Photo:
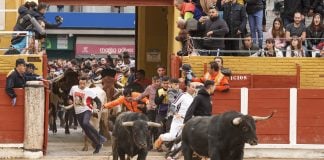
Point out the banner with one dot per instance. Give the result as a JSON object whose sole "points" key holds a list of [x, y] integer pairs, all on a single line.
{"points": [[104, 49]]}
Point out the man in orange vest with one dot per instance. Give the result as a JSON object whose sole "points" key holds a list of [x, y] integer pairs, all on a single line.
{"points": [[213, 73]]}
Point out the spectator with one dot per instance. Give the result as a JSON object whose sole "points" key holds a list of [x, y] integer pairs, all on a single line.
{"points": [[277, 32], [316, 6], [214, 27], [150, 92], [235, 17], [162, 101], [295, 49], [214, 74], [187, 73], [140, 78], [226, 71], [186, 9], [296, 29], [161, 71], [270, 50], [41, 10], [248, 48], [127, 61], [103, 62], [254, 9], [293, 6], [315, 32]]}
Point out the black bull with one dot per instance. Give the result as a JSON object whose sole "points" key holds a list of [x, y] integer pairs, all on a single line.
{"points": [[131, 135], [220, 137], [62, 87]]}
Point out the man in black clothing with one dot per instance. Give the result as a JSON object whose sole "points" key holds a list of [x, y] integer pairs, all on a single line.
{"points": [[17, 79], [235, 17], [201, 105], [293, 6], [213, 27]]}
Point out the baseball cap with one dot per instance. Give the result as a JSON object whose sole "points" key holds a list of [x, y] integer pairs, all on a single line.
{"points": [[185, 67]]}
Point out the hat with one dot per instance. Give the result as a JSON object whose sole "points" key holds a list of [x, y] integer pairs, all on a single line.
{"points": [[20, 61], [185, 67]]}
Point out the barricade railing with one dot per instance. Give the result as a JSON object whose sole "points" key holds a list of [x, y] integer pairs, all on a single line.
{"points": [[26, 34]]}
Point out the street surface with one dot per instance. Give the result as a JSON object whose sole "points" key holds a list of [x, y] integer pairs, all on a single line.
{"points": [[64, 147]]}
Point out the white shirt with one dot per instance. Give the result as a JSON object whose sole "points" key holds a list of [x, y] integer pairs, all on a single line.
{"points": [[182, 103], [80, 98]]}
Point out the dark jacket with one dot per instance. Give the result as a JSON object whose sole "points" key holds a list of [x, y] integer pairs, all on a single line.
{"points": [[253, 6], [292, 6], [235, 17], [200, 106], [244, 51], [16, 80], [219, 28], [312, 33], [48, 25]]}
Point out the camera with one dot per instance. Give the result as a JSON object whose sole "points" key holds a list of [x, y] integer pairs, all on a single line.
{"points": [[59, 19]]}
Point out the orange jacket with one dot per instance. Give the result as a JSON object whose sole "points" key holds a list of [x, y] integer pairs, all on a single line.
{"points": [[221, 82], [132, 106]]}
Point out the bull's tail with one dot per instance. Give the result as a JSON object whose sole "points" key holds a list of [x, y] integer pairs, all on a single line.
{"points": [[178, 139]]}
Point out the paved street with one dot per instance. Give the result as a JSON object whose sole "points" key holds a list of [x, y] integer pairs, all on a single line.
{"points": [[61, 147]]}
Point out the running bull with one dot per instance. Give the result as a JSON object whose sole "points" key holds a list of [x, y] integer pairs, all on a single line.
{"points": [[131, 136], [220, 137]]}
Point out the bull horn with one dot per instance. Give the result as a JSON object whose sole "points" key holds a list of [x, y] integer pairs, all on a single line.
{"points": [[153, 124], [128, 124], [258, 118], [237, 120], [60, 90], [58, 78]]}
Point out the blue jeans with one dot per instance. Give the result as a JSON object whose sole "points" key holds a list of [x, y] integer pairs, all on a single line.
{"points": [[255, 22]]}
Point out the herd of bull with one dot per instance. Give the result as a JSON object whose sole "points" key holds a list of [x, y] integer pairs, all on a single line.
{"points": [[218, 137]]}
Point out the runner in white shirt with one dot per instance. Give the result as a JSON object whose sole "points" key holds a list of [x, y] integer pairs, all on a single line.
{"points": [[81, 98], [181, 105]]}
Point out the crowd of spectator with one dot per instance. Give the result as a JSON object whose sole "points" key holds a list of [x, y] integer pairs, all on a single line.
{"points": [[221, 24]]}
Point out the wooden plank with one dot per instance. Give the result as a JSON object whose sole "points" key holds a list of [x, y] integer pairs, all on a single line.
{"points": [[226, 105], [310, 93], [269, 93], [231, 94], [273, 139], [274, 81], [310, 135], [11, 136]]}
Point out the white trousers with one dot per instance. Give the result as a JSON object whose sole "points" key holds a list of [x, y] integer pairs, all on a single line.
{"points": [[175, 129]]}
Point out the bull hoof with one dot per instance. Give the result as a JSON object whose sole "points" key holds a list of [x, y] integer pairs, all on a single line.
{"points": [[85, 149], [67, 131]]}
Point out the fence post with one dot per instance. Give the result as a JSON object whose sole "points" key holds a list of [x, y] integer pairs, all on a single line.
{"points": [[34, 119]]}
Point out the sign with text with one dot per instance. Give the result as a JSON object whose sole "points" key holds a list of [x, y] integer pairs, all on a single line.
{"points": [[240, 80], [104, 49]]}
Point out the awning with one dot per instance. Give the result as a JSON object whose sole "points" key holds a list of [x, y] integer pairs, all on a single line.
{"points": [[111, 2]]}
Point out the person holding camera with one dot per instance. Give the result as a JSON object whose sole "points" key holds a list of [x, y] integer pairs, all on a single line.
{"points": [[40, 12]]}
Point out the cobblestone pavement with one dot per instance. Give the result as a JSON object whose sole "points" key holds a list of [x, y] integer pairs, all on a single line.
{"points": [[64, 147]]}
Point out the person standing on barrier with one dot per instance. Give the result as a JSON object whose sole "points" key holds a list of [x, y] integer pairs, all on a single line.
{"points": [[81, 98], [16, 78], [213, 27], [235, 17]]}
